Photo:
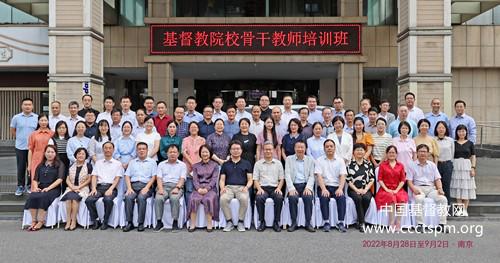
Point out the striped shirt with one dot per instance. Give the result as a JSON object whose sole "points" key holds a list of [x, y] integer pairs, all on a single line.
{"points": [[381, 143]]}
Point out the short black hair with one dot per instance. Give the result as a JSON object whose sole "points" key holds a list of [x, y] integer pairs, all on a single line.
{"points": [[109, 98], [296, 121], [373, 109], [206, 147], [459, 128], [447, 131], [338, 98], [191, 98], [162, 102], [420, 146], [359, 145], [460, 101], [108, 142], [422, 121], [381, 119], [115, 111], [410, 93], [81, 149], [27, 99], [404, 123], [141, 143], [71, 103], [231, 107], [126, 97], [87, 95], [149, 98], [338, 118], [235, 142]]}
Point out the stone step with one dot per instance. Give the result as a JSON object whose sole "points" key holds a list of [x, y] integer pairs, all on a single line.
{"points": [[487, 197], [479, 208], [12, 206], [12, 197]]}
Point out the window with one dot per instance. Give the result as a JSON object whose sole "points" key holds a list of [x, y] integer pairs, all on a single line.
{"points": [[381, 12], [12, 15]]}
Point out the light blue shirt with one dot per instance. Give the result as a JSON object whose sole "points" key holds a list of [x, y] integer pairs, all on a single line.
{"points": [[315, 147], [24, 125], [366, 120], [141, 170], [231, 128], [466, 120], [315, 116], [195, 116], [393, 128], [73, 144], [219, 115], [434, 118], [300, 177], [124, 149]]}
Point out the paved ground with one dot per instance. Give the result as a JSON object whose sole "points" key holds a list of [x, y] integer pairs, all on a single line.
{"points": [[116, 246]]}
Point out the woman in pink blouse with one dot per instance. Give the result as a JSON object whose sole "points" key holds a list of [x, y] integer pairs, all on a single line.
{"points": [[190, 153], [405, 145]]}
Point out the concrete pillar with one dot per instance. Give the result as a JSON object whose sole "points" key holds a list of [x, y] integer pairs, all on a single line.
{"points": [[161, 83], [75, 51], [424, 42], [327, 90], [186, 89], [350, 80], [350, 7]]}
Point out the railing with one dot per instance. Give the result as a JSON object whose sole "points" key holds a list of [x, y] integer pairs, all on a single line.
{"points": [[488, 135]]}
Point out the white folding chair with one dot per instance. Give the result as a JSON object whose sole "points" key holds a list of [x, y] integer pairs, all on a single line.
{"points": [[201, 218], [350, 211], [51, 219], [115, 219], [83, 217], [235, 206], [167, 219]]}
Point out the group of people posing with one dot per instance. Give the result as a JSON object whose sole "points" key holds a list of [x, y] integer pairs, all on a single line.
{"points": [[212, 157]]}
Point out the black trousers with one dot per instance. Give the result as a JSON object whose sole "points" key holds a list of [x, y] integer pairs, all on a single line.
{"points": [[108, 202], [446, 170], [22, 164], [362, 203], [141, 202], [294, 201], [261, 202]]}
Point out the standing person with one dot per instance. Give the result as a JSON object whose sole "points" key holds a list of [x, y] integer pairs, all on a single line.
{"points": [[78, 181], [463, 184], [235, 182], [304, 123], [256, 123], [264, 107], [385, 106], [381, 140], [331, 172], [269, 134], [349, 121], [268, 180], [125, 145], [79, 140], [391, 178], [56, 116], [73, 117], [464, 119], [171, 175], [219, 143], [360, 136], [127, 113], [60, 140], [424, 137], [205, 177], [360, 178], [169, 139], [241, 112], [139, 179], [87, 106], [293, 136], [327, 122], [37, 142], [21, 126], [364, 107], [105, 177], [162, 118], [96, 142], [90, 124], [141, 118], [231, 126], [299, 176], [280, 125], [338, 107], [436, 115], [206, 125], [314, 112], [115, 128], [218, 103], [182, 126], [446, 155], [190, 153], [149, 106], [151, 138], [315, 143], [191, 113], [248, 141], [414, 113], [109, 105], [342, 140], [47, 178], [407, 150], [402, 116], [288, 113], [371, 128]]}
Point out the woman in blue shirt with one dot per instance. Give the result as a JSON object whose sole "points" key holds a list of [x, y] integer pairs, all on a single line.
{"points": [[294, 135], [125, 145], [315, 143]]}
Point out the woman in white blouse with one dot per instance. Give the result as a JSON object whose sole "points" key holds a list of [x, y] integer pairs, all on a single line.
{"points": [[150, 137], [446, 155], [95, 145], [315, 143], [342, 139]]}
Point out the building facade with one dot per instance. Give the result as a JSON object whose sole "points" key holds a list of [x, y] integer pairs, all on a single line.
{"points": [[59, 50]]}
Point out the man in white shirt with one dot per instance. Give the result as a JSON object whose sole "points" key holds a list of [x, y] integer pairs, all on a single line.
{"points": [[73, 117], [218, 103], [241, 112], [105, 178], [338, 107], [331, 173], [56, 116], [109, 104], [127, 113], [280, 126], [288, 113], [256, 123], [171, 175], [415, 113]]}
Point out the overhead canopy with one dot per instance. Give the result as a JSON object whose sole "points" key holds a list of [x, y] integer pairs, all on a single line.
{"points": [[464, 10]]}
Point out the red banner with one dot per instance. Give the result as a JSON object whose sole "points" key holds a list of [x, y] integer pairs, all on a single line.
{"points": [[183, 39]]}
